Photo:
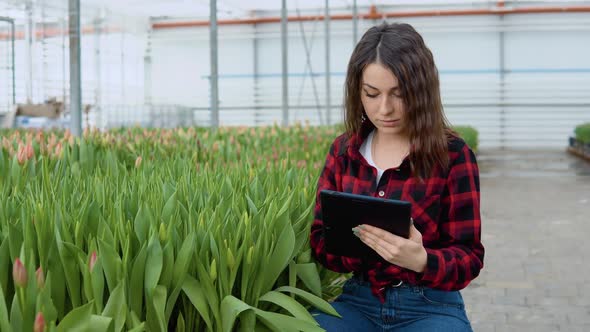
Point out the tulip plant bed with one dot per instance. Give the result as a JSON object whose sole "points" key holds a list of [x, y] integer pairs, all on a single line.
{"points": [[161, 230], [580, 144], [158, 230]]}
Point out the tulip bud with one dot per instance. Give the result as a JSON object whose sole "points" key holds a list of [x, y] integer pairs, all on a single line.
{"points": [[6, 143], [52, 139], [29, 151], [163, 233], [40, 277], [58, 150], [138, 162], [246, 219], [230, 259], [21, 154], [92, 261], [19, 273], [39, 323], [249, 255], [213, 270]]}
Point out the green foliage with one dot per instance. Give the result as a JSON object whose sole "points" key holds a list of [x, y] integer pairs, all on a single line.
{"points": [[159, 230], [469, 134], [582, 133]]}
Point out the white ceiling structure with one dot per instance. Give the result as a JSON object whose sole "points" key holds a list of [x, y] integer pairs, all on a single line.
{"points": [[46, 10], [240, 8]]}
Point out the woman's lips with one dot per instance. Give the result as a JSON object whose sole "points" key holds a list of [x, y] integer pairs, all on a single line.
{"points": [[390, 123]]}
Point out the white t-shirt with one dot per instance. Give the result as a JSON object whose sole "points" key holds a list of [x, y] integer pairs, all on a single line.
{"points": [[365, 151]]}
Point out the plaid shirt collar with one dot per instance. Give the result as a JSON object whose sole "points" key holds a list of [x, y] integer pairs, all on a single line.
{"points": [[352, 149]]}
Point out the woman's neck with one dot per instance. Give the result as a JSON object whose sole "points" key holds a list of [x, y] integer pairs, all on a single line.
{"points": [[391, 141], [389, 151]]}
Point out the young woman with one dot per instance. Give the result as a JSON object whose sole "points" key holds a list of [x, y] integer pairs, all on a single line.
{"points": [[398, 145]]}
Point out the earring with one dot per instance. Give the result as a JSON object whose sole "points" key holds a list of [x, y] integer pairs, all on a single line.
{"points": [[363, 118]]}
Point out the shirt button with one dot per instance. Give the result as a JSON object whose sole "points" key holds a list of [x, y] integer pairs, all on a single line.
{"points": [[381, 193]]}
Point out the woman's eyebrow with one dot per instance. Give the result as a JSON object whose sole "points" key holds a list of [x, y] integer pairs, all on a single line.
{"points": [[372, 87]]}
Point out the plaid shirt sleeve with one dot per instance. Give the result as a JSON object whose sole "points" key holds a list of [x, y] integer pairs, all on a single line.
{"points": [[328, 181], [459, 258]]}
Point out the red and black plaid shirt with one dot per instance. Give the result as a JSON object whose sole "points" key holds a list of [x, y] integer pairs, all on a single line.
{"points": [[445, 209]]}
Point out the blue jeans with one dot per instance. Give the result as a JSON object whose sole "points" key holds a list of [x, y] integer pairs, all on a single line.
{"points": [[406, 308]]}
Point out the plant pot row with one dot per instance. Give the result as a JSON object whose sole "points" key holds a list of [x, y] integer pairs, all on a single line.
{"points": [[579, 148]]}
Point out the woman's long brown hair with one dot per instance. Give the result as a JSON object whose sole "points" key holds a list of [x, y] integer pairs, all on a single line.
{"points": [[401, 49]]}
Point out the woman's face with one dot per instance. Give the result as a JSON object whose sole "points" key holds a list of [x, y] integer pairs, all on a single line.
{"points": [[380, 95]]}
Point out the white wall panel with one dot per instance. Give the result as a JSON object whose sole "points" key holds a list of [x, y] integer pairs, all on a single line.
{"points": [[542, 94]]}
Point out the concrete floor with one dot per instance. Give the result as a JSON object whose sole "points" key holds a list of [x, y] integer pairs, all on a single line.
{"points": [[536, 231]]}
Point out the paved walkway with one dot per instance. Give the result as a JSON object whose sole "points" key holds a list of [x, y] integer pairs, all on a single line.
{"points": [[536, 230]]}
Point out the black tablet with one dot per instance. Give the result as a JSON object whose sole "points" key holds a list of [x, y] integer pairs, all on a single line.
{"points": [[343, 211]]}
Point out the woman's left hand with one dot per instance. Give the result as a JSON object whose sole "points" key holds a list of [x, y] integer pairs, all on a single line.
{"points": [[408, 253]]}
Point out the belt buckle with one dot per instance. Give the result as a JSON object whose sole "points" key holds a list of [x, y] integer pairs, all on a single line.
{"points": [[392, 286], [399, 284]]}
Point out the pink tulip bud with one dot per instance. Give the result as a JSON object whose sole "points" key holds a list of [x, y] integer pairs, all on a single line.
{"points": [[58, 150], [29, 151], [92, 261], [40, 277], [19, 273], [6, 143], [138, 162], [40, 136], [39, 323], [52, 139], [21, 154]]}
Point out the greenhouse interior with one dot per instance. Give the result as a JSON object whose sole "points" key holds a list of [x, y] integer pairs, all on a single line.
{"points": [[517, 73], [162, 160]]}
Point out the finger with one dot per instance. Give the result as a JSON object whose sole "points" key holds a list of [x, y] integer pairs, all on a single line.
{"points": [[415, 234], [385, 255], [414, 230], [380, 233], [376, 242], [380, 246]]}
